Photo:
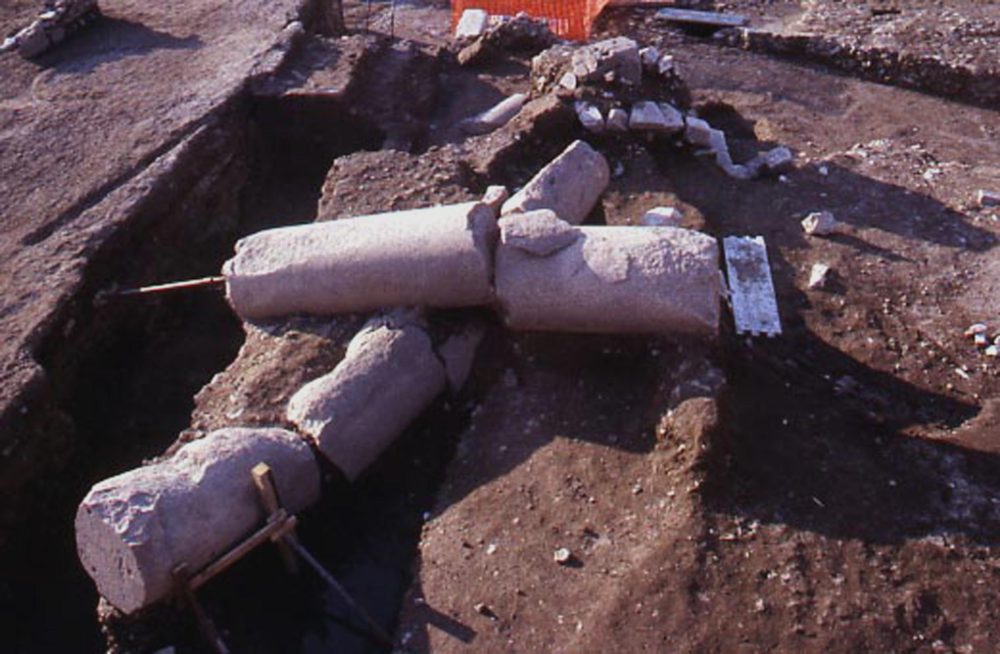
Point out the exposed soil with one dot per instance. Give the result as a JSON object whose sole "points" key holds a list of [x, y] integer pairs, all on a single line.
{"points": [[834, 489]]}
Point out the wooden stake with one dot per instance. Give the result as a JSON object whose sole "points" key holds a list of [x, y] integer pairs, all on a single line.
{"points": [[182, 580], [263, 479]]}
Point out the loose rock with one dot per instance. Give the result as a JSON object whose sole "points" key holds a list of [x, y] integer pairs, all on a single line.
{"points": [[822, 223], [819, 276], [590, 117], [988, 198], [617, 120], [663, 217]]}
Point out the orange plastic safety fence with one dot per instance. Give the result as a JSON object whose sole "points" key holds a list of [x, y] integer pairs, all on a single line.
{"points": [[570, 19]]}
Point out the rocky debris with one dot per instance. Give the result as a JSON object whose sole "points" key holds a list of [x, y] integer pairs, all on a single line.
{"points": [[657, 118], [132, 530], [59, 20], [590, 117], [472, 24], [495, 117], [663, 217], [822, 223], [569, 185], [458, 353], [981, 338], [562, 556], [986, 198], [617, 120], [389, 375], [699, 133], [650, 58], [609, 280], [614, 60], [819, 276], [520, 33], [777, 161], [495, 196], [437, 257]]}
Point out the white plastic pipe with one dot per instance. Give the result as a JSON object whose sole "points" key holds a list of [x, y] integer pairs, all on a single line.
{"points": [[552, 276], [388, 376], [132, 530], [436, 257]]}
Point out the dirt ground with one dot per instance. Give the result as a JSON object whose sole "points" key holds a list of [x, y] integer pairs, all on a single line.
{"points": [[833, 489]]}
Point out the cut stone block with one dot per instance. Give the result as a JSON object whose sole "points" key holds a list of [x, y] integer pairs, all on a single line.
{"points": [[618, 120], [650, 117], [495, 117], [569, 185], [472, 24], [698, 132], [132, 530], [590, 117], [437, 257], [613, 280], [617, 57], [388, 376]]}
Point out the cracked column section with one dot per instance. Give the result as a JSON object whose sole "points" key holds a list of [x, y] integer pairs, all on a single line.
{"points": [[552, 276], [434, 257], [132, 530], [389, 375]]}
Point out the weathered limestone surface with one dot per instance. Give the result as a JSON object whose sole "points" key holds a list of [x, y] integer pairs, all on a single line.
{"points": [[438, 257], [569, 185], [388, 376], [612, 279], [133, 529]]}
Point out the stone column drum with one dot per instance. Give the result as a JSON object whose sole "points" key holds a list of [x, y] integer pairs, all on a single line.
{"points": [[437, 257], [551, 276], [388, 376], [133, 529]]}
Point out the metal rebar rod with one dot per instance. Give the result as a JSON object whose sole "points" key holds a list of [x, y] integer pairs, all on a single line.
{"points": [[172, 286], [376, 629]]}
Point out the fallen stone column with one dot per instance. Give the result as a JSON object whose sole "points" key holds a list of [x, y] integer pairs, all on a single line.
{"points": [[552, 276], [133, 529], [437, 257], [569, 185], [388, 376]]}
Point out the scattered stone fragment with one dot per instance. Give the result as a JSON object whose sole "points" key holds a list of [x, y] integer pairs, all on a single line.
{"points": [[569, 185], [472, 24], [538, 232], [981, 340], [562, 555], [495, 196], [988, 198], [496, 116], [822, 223], [666, 65], [650, 57], [977, 328], [458, 353], [778, 160], [663, 217], [590, 117], [650, 117], [699, 133], [992, 351], [484, 610], [819, 276], [568, 82], [617, 120]]}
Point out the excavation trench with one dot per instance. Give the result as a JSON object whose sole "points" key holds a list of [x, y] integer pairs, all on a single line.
{"points": [[124, 371]]}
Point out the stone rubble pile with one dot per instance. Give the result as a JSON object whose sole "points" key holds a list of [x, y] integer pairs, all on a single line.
{"points": [[59, 20]]}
